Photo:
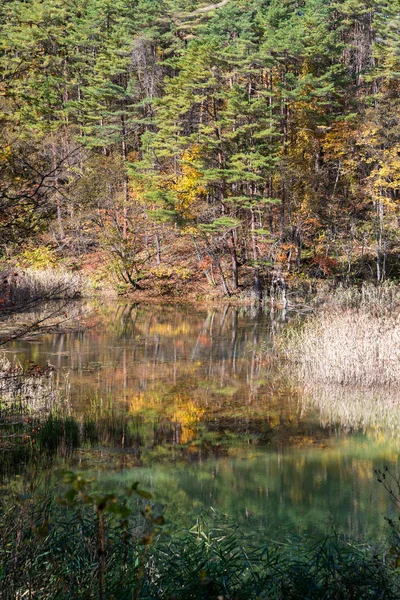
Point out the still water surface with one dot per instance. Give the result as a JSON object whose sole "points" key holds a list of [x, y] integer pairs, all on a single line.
{"points": [[183, 400]]}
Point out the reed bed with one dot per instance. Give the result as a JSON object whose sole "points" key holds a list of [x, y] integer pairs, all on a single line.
{"points": [[381, 299], [45, 284], [352, 340], [50, 552], [351, 348]]}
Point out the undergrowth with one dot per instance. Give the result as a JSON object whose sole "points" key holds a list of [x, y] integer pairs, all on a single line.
{"points": [[52, 552]]}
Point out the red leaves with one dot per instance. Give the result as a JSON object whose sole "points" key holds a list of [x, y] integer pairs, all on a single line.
{"points": [[326, 264]]}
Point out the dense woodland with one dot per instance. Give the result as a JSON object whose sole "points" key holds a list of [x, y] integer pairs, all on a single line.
{"points": [[170, 143]]}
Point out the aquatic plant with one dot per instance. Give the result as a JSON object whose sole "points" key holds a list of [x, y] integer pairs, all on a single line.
{"points": [[52, 551]]}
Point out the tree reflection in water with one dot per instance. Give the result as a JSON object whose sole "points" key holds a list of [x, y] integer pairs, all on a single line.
{"points": [[181, 396]]}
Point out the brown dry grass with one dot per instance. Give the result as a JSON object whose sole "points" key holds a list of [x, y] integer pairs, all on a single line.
{"points": [[354, 341], [45, 284]]}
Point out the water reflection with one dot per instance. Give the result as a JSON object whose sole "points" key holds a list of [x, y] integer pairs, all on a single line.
{"points": [[176, 366], [273, 493], [355, 409], [179, 398]]}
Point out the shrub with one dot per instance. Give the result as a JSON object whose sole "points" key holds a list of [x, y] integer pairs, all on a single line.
{"points": [[42, 257]]}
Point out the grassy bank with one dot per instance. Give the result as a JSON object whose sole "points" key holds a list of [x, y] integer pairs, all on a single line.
{"points": [[353, 339]]}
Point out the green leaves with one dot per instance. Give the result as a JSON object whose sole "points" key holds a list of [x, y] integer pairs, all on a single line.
{"points": [[264, 91], [220, 225], [80, 491]]}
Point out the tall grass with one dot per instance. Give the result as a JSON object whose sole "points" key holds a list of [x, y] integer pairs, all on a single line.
{"points": [[354, 340], [374, 299], [50, 553], [45, 284]]}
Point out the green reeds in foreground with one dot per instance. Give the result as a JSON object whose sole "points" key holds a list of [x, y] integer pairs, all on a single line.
{"points": [[355, 341], [51, 551]]}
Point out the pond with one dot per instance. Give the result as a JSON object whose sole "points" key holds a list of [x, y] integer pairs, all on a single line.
{"points": [[186, 401]]}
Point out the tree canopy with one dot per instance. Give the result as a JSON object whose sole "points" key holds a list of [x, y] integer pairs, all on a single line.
{"points": [[250, 139]]}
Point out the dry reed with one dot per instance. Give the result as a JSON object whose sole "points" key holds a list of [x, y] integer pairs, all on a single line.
{"points": [[375, 299], [47, 284], [354, 340]]}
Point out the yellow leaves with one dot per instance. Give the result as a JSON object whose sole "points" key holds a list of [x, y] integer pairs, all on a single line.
{"points": [[190, 230], [137, 190], [185, 188], [385, 176], [5, 153], [188, 187], [172, 272], [339, 143], [41, 257]]}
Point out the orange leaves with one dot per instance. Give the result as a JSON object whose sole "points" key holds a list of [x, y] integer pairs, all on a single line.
{"points": [[325, 264], [205, 263], [285, 252]]}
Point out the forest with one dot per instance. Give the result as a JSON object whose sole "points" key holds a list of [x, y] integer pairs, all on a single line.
{"points": [[174, 146], [199, 299]]}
